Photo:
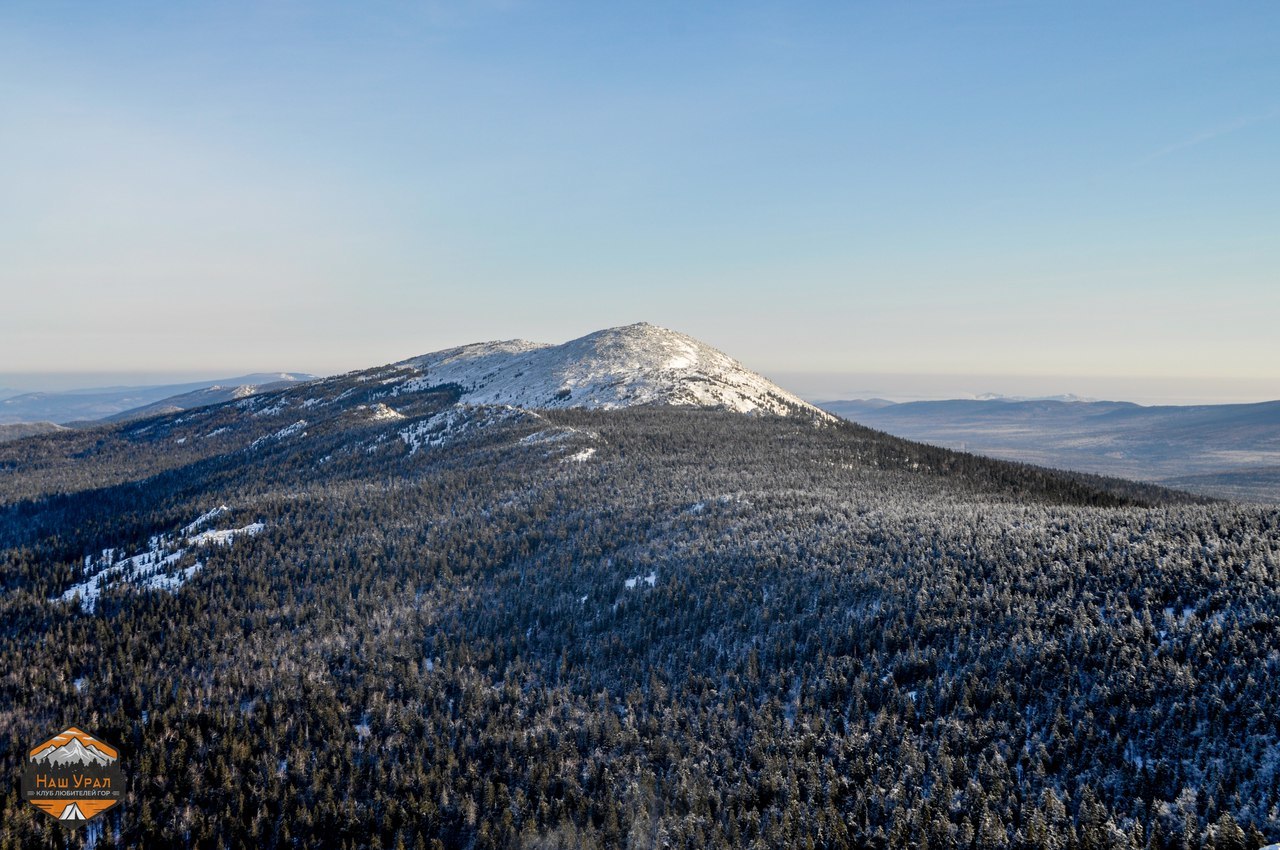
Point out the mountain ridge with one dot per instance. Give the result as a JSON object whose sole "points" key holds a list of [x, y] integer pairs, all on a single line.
{"points": [[87, 405], [1222, 450], [606, 369]]}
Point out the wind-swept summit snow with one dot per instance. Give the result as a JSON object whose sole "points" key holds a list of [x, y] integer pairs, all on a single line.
{"points": [[619, 367]]}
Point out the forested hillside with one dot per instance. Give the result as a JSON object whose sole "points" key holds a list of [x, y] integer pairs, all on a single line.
{"points": [[340, 616]]}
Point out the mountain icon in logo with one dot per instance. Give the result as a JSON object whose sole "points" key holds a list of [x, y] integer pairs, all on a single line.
{"points": [[76, 751]]}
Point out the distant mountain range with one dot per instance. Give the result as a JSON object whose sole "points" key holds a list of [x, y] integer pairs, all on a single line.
{"points": [[1225, 451], [18, 430], [91, 404], [216, 394], [1222, 450]]}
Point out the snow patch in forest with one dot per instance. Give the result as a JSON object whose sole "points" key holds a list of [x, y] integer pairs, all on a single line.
{"points": [[273, 409], [283, 433], [205, 517], [456, 422], [651, 579], [170, 582], [382, 413], [549, 435], [1181, 617], [561, 439], [226, 536], [154, 568]]}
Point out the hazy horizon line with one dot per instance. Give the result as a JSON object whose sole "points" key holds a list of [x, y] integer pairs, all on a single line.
{"points": [[821, 386]]}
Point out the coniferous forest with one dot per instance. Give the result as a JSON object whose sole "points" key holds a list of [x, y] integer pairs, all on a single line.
{"points": [[440, 627]]}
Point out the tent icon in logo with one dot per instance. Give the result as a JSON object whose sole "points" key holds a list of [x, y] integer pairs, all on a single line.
{"points": [[72, 812]]}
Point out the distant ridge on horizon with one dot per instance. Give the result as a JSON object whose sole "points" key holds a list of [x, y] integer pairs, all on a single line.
{"points": [[1222, 450], [83, 405]]}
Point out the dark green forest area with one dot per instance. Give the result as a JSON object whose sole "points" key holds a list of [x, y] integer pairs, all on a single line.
{"points": [[655, 627]]}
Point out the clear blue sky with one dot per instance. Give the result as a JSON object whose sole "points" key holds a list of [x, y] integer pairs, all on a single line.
{"points": [[1027, 189]]}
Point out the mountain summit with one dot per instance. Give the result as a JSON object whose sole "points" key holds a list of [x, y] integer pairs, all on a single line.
{"points": [[638, 364]]}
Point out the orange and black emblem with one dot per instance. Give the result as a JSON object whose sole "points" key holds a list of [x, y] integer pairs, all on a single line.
{"points": [[73, 777]]}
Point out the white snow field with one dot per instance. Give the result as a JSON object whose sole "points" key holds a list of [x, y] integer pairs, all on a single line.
{"points": [[618, 367]]}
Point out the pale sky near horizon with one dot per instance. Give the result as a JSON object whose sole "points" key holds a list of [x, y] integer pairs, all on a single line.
{"points": [[969, 189], [814, 386]]}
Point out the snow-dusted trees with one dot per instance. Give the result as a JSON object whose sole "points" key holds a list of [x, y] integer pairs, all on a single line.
{"points": [[717, 631]]}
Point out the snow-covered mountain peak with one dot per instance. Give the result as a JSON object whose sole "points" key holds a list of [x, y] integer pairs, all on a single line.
{"points": [[640, 364]]}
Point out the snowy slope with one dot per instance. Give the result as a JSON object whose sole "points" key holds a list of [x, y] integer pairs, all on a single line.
{"points": [[156, 568], [619, 367]]}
